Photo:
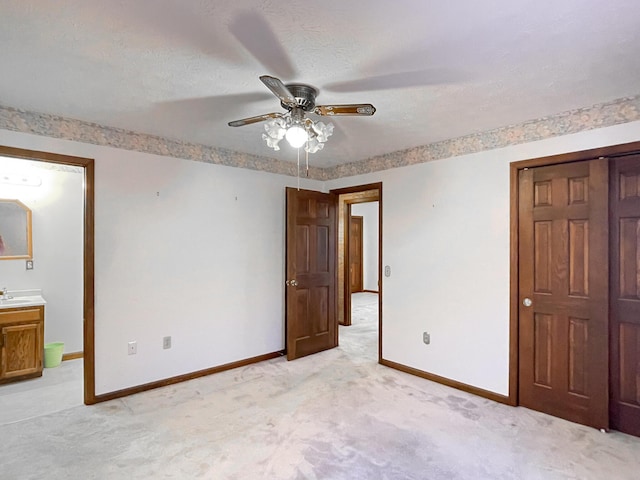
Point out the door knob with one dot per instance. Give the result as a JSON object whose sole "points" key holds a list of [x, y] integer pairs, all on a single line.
{"points": [[287, 283], [527, 302], [293, 283]]}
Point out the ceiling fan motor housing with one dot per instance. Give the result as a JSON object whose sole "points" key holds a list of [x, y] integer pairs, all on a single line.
{"points": [[305, 96]]}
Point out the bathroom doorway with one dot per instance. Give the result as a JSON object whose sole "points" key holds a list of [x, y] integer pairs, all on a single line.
{"points": [[82, 350]]}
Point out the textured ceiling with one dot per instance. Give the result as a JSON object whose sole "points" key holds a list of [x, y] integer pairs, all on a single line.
{"points": [[182, 69]]}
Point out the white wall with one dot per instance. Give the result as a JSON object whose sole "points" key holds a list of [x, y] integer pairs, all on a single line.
{"points": [[446, 239], [369, 213], [195, 251], [183, 248], [57, 233]]}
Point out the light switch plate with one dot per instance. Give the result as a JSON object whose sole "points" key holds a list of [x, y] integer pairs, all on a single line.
{"points": [[29, 264]]}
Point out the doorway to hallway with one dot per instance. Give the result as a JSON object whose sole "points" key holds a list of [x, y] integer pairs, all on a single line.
{"points": [[363, 202], [318, 293]]}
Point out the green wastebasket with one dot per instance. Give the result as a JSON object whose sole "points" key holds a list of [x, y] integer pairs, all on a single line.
{"points": [[53, 354]]}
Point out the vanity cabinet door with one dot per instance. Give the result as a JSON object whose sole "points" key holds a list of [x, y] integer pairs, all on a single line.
{"points": [[22, 344]]}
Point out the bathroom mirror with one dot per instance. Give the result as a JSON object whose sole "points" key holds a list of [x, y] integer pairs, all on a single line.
{"points": [[15, 230]]}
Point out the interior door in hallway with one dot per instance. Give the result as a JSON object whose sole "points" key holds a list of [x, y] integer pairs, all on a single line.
{"points": [[355, 254], [625, 294], [563, 291], [311, 282]]}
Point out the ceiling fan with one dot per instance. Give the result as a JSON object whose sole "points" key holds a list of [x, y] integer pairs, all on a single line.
{"points": [[299, 99]]}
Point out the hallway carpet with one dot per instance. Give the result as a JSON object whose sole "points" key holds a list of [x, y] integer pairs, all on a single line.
{"points": [[334, 415]]}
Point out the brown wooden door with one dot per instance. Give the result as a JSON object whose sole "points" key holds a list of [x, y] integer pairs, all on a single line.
{"points": [[311, 313], [355, 253], [625, 294], [563, 270]]}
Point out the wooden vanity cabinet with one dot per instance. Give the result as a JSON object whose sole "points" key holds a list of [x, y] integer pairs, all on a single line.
{"points": [[21, 343]]}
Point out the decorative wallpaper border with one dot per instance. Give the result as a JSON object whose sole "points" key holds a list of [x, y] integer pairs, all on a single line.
{"points": [[622, 110], [85, 132]]}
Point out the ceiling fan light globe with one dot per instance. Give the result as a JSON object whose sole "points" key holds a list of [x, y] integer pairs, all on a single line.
{"points": [[328, 129], [275, 130], [323, 130], [271, 141], [296, 136], [313, 145]]}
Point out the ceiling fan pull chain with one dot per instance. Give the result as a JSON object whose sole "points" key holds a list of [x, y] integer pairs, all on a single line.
{"points": [[298, 169], [306, 150]]}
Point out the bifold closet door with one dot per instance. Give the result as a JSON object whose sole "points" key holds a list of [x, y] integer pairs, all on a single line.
{"points": [[625, 294], [563, 290]]}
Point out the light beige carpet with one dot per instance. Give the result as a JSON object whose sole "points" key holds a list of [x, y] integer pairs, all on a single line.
{"points": [[58, 389], [335, 415]]}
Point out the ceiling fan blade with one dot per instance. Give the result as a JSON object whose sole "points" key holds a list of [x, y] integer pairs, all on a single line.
{"points": [[256, 35], [279, 90], [250, 120], [361, 109]]}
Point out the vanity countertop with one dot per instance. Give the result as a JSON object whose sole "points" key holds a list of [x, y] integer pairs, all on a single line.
{"points": [[22, 298]]}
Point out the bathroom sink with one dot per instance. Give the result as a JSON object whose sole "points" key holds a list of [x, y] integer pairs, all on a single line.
{"points": [[15, 301], [22, 301]]}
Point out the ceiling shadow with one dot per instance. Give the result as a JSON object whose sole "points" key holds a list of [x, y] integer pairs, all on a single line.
{"points": [[256, 35]]}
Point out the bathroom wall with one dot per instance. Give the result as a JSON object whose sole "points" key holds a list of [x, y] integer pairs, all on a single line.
{"points": [[57, 217]]}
